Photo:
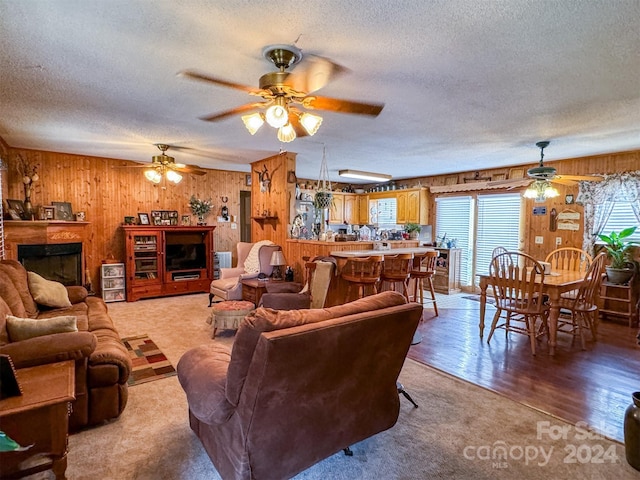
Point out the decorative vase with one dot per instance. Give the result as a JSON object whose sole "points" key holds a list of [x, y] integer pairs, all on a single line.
{"points": [[632, 432], [28, 209], [618, 276], [201, 220]]}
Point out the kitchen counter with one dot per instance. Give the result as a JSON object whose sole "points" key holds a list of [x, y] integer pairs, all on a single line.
{"points": [[366, 253]]}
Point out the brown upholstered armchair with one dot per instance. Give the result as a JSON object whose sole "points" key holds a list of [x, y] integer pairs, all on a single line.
{"points": [[292, 296], [299, 385], [229, 285]]}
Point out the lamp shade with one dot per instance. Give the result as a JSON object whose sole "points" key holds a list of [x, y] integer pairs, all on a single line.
{"points": [[253, 122], [277, 115], [277, 259], [173, 176], [310, 122], [153, 175], [286, 133]]}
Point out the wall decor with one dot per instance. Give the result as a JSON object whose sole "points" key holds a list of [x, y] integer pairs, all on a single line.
{"points": [[247, 180], [164, 217], [539, 210], [18, 207], [499, 176], [129, 220], [186, 220], [48, 212], [569, 199], [63, 211], [144, 218]]}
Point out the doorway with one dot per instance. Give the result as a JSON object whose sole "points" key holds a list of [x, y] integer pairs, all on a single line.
{"points": [[245, 216]]}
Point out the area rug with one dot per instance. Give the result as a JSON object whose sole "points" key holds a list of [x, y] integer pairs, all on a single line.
{"points": [[476, 298], [149, 363]]}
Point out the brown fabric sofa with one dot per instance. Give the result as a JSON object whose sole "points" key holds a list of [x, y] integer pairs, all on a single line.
{"points": [[102, 362], [298, 385]]}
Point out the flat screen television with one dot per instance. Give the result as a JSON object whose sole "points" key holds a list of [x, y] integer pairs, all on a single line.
{"points": [[185, 252]]}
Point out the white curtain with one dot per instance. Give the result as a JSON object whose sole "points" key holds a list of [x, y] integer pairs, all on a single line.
{"points": [[599, 199]]}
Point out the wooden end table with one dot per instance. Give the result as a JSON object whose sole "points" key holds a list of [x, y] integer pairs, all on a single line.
{"points": [[253, 289], [38, 417]]}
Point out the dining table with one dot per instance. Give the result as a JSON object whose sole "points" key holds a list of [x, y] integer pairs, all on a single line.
{"points": [[554, 284]]}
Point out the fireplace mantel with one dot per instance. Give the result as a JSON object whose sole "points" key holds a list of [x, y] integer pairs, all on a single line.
{"points": [[27, 232]]}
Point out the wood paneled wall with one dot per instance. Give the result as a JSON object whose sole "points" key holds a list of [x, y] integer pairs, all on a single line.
{"points": [[108, 191]]}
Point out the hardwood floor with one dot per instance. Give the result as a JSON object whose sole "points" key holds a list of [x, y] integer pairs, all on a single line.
{"points": [[592, 386]]}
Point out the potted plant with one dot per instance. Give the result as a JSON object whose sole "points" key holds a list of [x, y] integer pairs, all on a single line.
{"points": [[413, 229], [620, 270]]}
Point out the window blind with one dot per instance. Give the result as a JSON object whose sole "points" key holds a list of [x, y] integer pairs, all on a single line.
{"points": [[498, 226], [622, 217], [454, 220]]}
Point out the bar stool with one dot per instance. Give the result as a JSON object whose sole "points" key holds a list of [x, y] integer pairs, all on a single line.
{"points": [[362, 273], [396, 269], [422, 271]]}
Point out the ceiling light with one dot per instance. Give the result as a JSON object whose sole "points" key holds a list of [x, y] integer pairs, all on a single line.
{"points": [[540, 190], [310, 122], [153, 175], [286, 133], [277, 115], [376, 177], [173, 176], [253, 122]]}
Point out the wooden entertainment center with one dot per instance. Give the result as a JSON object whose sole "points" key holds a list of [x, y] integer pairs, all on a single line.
{"points": [[167, 260]]}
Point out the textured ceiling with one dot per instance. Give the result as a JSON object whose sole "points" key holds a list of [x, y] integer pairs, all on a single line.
{"points": [[467, 84]]}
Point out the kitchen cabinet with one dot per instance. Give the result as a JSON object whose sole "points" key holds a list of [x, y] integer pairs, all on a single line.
{"points": [[412, 204], [351, 209], [336, 209], [363, 209]]}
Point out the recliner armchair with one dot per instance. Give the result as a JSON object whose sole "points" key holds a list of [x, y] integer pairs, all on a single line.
{"points": [[251, 263]]}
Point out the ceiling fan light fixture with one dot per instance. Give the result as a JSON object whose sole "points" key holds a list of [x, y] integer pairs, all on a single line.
{"points": [[286, 133], [153, 175], [310, 122], [540, 190], [376, 177], [277, 115], [253, 122], [173, 176]]}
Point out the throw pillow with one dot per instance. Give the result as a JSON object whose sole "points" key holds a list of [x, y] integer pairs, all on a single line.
{"points": [[47, 292], [25, 328]]}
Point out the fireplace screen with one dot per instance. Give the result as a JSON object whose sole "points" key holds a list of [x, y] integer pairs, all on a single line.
{"points": [[61, 262]]}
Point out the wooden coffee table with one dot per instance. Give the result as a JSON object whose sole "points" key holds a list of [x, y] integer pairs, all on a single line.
{"points": [[38, 417]]}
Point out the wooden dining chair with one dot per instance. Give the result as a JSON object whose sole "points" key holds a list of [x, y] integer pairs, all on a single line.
{"points": [[517, 283], [569, 258], [396, 271], [581, 312]]}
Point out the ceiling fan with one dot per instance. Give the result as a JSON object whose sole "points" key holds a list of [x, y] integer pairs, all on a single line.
{"points": [[286, 95], [164, 166], [543, 175]]}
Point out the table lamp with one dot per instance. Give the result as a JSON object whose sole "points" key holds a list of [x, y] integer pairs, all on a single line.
{"points": [[277, 260]]}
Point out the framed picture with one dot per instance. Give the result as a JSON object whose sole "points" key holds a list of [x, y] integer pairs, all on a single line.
{"points": [[63, 211], [129, 220], [17, 206], [144, 218], [13, 214], [186, 220], [516, 173], [248, 180], [499, 176], [568, 199], [49, 212]]}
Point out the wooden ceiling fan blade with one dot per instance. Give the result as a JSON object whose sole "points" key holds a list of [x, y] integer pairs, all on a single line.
{"points": [[314, 73], [578, 178], [234, 111], [190, 169], [219, 81], [564, 181], [343, 106]]}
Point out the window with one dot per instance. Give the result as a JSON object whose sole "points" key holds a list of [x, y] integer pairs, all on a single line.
{"points": [[622, 217], [454, 220], [496, 218], [498, 226]]}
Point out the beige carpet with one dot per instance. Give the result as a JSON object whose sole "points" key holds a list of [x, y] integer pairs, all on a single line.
{"points": [[454, 434]]}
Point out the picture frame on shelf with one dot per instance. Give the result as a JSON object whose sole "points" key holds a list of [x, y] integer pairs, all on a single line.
{"points": [[143, 218], [17, 206], [48, 212], [13, 214], [186, 220], [62, 211]]}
